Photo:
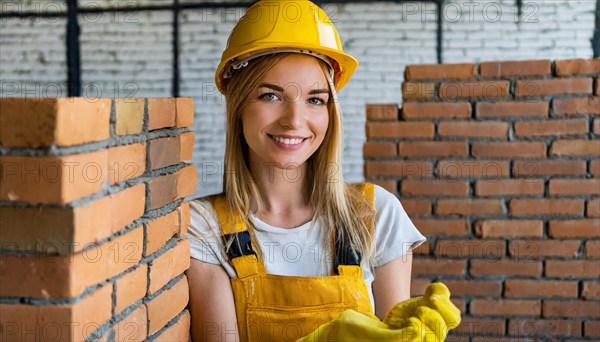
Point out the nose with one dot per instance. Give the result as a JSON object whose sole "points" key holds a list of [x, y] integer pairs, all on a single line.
{"points": [[293, 115]]}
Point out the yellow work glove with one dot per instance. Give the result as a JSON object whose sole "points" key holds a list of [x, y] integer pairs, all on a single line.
{"points": [[426, 318], [434, 309]]}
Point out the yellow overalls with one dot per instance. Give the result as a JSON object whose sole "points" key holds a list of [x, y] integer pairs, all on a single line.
{"points": [[284, 308]]}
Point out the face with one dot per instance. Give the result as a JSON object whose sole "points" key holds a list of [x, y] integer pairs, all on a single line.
{"points": [[286, 117]]}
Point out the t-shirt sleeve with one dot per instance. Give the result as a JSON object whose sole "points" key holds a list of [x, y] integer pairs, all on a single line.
{"points": [[395, 234], [204, 233]]}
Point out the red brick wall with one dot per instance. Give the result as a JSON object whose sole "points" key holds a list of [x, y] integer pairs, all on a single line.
{"points": [[92, 214], [499, 165]]}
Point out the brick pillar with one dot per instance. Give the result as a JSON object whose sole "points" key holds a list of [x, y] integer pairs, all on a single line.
{"points": [[499, 165], [92, 216]]}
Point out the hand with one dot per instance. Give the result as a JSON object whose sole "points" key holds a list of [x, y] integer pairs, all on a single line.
{"points": [[434, 309]]}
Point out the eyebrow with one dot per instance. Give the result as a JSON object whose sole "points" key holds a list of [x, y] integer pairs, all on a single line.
{"points": [[280, 89]]}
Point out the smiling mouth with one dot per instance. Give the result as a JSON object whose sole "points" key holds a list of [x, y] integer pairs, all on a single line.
{"points": [[286, 141]]}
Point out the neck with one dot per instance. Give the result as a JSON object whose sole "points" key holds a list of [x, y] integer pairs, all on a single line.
{"points": [[282, 191]]}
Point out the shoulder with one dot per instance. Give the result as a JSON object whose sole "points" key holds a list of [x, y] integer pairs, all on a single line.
{"points": [[203, 218], [385, 201]]}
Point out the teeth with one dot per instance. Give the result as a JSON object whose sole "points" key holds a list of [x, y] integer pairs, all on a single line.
{"points": [[288, 141]]}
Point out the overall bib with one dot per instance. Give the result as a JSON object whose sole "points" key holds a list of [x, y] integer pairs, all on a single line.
{"points": [[284, 308]]}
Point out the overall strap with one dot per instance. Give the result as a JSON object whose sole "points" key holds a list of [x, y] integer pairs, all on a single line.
{"points": [[346, 256], [240, 253]]}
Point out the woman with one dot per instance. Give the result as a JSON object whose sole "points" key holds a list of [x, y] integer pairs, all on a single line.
{"points": [[289, 245]]}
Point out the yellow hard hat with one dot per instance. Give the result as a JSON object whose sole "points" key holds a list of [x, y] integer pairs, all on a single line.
{"points": [[271, 26]]}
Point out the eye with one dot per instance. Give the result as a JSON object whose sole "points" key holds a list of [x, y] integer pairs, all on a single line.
{"points": [[269, 97], [316, 101]]}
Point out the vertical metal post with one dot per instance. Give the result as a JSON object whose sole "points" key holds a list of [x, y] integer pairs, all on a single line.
{"points": [[73, 51], [175, 85], [596, 39], [440, 31]]}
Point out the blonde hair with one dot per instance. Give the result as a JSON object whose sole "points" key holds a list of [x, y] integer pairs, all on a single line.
{"points": [[343, 211]]}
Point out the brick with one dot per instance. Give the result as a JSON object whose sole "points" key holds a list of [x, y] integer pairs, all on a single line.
{"points": [[134, 326], [577, 106], [574, 186], [440, 71], [539, 288], [469, 207], [517, 149], [512, 109], [180, 331], [506, 307], [65, 322], [161, 113], [509, 228], [422, 249], [380, 149], [167, 188], [474, 129], [131, 287], [416, 206], [126, 162], [442, 228], [546, 248], [470, 248], [474, 288], [572, 268], [505, 187], [570, 309], [129, 115], [418, 286], [184, 217], [505, 267], [438, 266], [596, 126], [537, 168], [455, 169], [386, 112], [400, 130], [61, 230], [127, 206], [593, 208], [419, 110], [473, 90], [590, 290], [575, 148], [186, 145], [184, 112], [418, 91], [574, 229], [389, 185], [434, 187], [591, 328], [597, 86], [545, 206], [38, 122], [169, 265], [592, 248], [530, 88], [544, 327], [433, 149], [595, 167], [577, 67], [167, 305], [474, 325], [515, 68], [68, 276], [160, 230], [551, 128], [163, 152], [52, 180], [407, 168]]}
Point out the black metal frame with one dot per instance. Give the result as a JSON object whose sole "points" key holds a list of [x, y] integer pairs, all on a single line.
{"points": [[73, 46]]}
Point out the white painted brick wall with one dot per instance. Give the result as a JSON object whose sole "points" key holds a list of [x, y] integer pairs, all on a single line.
{"points": [[134, 49]]}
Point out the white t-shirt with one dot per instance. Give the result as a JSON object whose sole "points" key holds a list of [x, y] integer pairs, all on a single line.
{"points": [[299, 251]]}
